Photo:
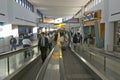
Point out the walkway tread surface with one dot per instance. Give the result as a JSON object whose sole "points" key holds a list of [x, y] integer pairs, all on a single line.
{"points": [[74, 70], [32, 73]]}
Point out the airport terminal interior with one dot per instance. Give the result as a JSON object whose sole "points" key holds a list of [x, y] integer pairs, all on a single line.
{"points": [[59, 39]]}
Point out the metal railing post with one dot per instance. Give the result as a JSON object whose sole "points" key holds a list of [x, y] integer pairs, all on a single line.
{"points": [[90, 57], [8, 65], [105, 63]]}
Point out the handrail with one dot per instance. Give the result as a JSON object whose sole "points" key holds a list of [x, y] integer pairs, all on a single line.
{"points": [[100, 59], [104, 53], [44, 66], [90, 66], [6, 54], [26, 64], [17, 59]]}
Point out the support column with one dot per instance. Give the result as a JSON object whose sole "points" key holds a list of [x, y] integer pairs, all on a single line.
{"points": [[82, 22], [109, 36]]}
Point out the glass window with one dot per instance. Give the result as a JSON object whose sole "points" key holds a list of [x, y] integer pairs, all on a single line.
{"points": [[29, 6], [90, 5], [100, 1], [23, 3], [17, 1], [26, 4], [94, 2], [20, 2], [32, 8], [85, 8]]}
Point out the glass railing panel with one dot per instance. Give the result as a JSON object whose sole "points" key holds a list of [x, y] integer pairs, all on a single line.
{"points": [[19, 60], [36, 51], [105, 63], [11, 61], [3, 68], [97, 61], [113, 68]]}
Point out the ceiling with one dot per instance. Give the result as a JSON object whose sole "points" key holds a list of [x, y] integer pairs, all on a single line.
{"points": [[59, 8]]}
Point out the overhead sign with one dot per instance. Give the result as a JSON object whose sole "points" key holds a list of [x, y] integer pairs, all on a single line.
{"points": [[59, 25], [47, 20], [72, 20]]}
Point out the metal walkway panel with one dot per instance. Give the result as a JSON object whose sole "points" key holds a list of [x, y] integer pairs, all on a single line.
{"points": [[74, 70]]}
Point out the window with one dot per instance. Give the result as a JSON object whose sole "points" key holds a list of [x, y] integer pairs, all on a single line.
{"points": [[17, 1], [25, 4], [100, 1], [20, 2]]}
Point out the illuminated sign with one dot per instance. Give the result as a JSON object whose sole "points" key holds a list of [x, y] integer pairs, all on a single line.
{"points": [[47, 20], [59, 25], [72, 20]]}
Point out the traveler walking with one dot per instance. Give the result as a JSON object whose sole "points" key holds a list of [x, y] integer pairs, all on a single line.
{"points": [[26, 44], [43, 46], [75, 41], [13, 42]]}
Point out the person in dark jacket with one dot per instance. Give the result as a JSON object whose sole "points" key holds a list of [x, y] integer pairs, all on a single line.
{"points": [[56, 36], [43, 46], [13, 42], [75, 40]]}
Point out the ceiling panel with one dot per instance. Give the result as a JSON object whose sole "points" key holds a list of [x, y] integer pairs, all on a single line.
{"points": [[59, 8]]}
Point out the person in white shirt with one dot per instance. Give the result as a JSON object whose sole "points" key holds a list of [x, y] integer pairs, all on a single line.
{"points": [[26, 44]]}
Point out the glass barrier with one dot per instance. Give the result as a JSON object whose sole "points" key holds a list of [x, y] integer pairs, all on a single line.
{"points": [[107, 64], [3, 68], [11, 61]]}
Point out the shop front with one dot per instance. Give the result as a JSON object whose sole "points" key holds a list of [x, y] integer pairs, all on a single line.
{"points": [[93, 28], [117, 36]]}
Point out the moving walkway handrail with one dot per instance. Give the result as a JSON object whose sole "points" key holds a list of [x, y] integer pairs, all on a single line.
{"points": [[104, 53], [90, 66], [42, 70], [7, 57], [10, 53]]}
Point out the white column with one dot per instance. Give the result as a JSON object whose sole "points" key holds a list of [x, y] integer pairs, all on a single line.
{"points": [[109, 36], [82, 22], [109, 28]]}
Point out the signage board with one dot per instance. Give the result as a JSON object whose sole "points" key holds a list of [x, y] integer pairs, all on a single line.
{"points": [[72, 20]]}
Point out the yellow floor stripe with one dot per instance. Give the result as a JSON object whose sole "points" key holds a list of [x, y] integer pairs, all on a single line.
{"points": [[57, 54]]}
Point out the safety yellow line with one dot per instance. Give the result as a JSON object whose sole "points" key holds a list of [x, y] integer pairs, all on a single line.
{"points": [[57, 54]]}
